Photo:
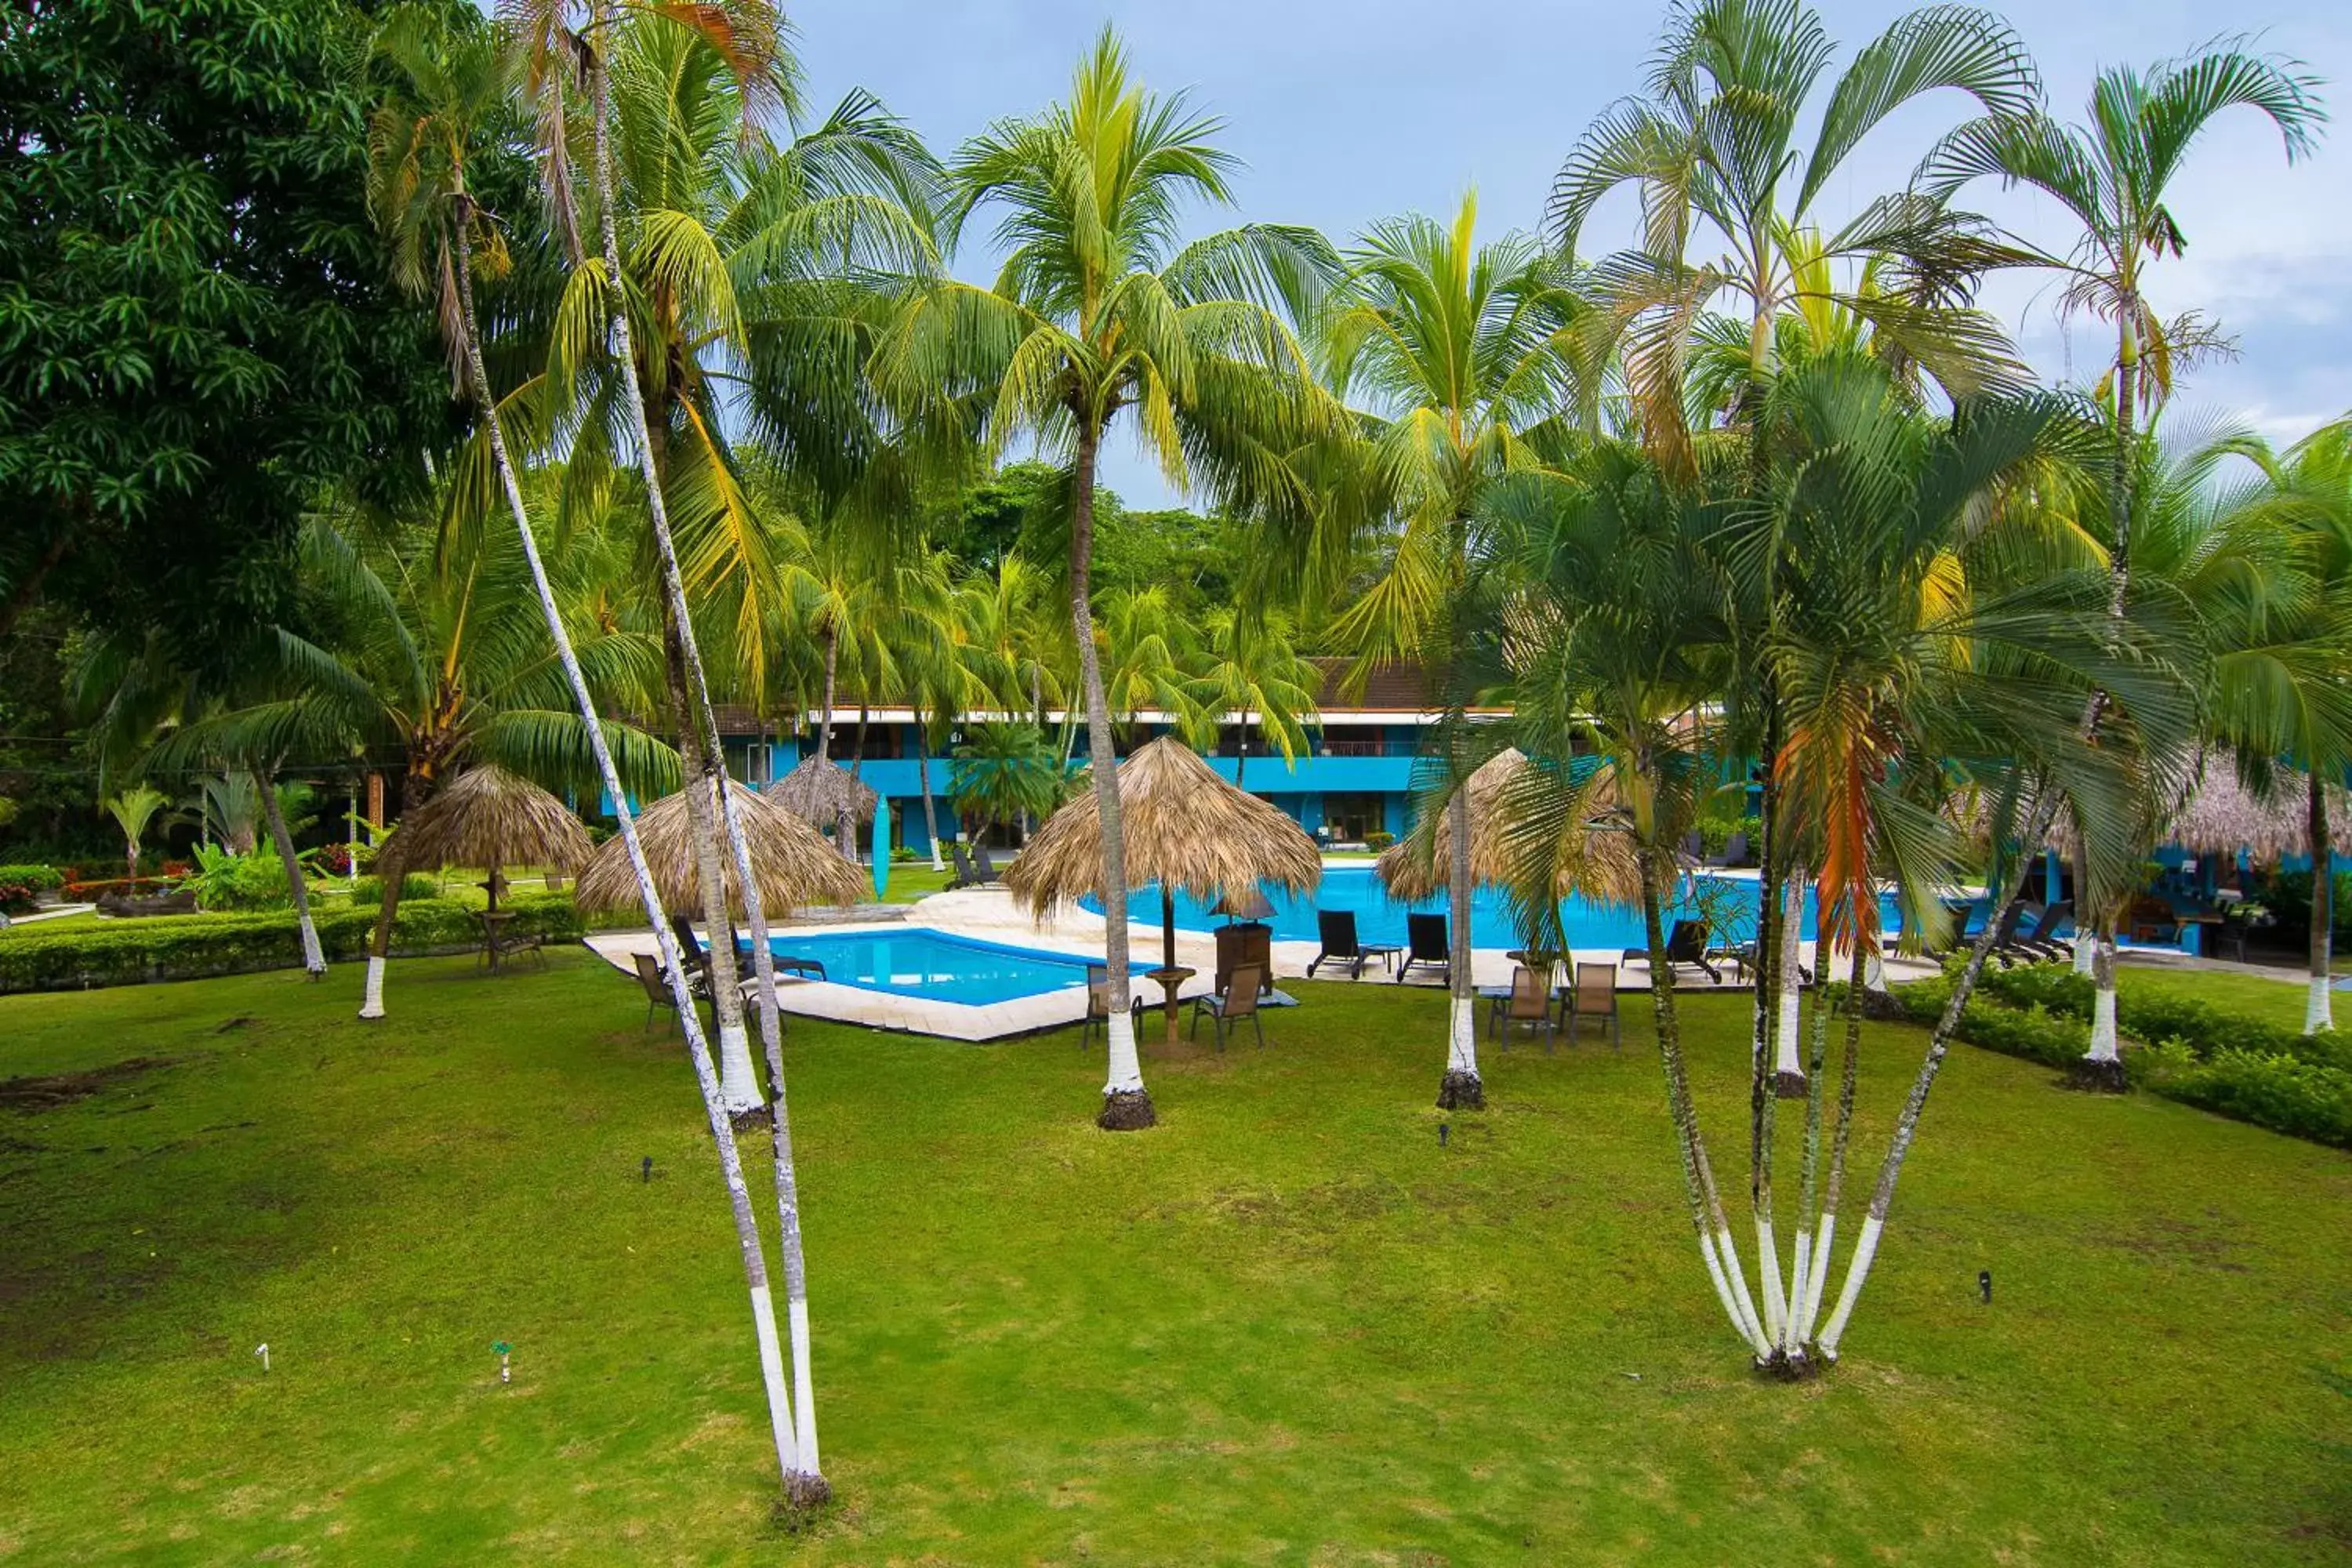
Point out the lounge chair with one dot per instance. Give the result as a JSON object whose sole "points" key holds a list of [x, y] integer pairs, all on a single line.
{"points": [[2004, 936], [984, 865], [1735, 853], [690, 950], [1099, 1003], [2043, 941], [1594, 995], [1693, 848], [1429, 949], [1231, 1005], [1685, 943], [1529, 1002], [1338, 928], [965, 877]]}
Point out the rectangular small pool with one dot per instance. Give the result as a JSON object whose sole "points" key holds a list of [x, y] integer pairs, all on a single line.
{"points": [[914, 961]]}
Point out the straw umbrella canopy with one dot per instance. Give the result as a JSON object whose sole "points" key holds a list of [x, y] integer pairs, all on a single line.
{"points": [[822, 792], [1601, 864], [1185, 828], [2221, 817], [486, 817], [792, 859]]}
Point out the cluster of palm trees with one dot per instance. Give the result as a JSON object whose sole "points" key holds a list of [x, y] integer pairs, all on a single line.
{"points": [[1757, 485]]}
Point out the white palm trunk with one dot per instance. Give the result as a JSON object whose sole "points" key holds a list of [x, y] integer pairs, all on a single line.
{"points": [[371, 996], [1462, 1087], [2316, 1014], [1125, 1068], [722, 1129], [803, 1480], [1906, 1125], [1789, 1067], [2104, 1044], [314, 958]]}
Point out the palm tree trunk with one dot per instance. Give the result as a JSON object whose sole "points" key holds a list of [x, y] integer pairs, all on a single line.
{"points": [[314, 958], [1715, 1247], [1906, 1125], [1803, 1261], [824, 714], [923, 777], [1789, 1068], [415, 790], [739, 1081], [1825, 1230], [2317, 1015], [791, 1450], [1126, 1104], [1461, 1088]]}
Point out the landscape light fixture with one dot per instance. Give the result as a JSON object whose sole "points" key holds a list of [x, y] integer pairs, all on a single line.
{"points": [[504, 1351]]}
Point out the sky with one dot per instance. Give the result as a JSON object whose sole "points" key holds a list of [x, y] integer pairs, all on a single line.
{"points": [[1346, 111]]}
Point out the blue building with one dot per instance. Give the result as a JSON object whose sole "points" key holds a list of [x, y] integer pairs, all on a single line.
{"points": [[1355, 779]]}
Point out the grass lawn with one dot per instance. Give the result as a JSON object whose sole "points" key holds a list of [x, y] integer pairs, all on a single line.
{"points": [[1286, 1326], [2278, 1001]]}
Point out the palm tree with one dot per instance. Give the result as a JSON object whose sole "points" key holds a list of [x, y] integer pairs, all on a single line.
{"points": [[1249, 666], [1006, 771], [2281, 684], [446, 220], [132, 810], [1097, 309], [2113, 175], [1466, 354], [1714, 151]]}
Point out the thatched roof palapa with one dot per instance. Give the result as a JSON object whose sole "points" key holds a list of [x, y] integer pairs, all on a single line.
{"points": [[488, 817], [1182, 826], [2223, 818], [1601, 864], [819, 792], [794, 863]]}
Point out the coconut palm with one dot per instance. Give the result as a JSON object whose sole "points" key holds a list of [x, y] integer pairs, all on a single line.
{"points": [[449, 225], [1006, 771], [1249, 666], [1465, 355], [1098, 310]]}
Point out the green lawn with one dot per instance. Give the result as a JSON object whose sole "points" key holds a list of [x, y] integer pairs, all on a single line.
{"points": [[1286, 1326]]}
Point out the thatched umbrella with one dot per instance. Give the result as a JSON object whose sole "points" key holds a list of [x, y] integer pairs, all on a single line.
{"points": [[486, 817], [1601, 864], [2222, 818], [821, 793], [1184, 827], [792, 859]]}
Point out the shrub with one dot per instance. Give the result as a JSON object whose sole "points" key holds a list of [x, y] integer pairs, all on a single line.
{"points": [[1378, 838], [20, 885], [2033, 1032], [901, 854], [2201, 1027], [2303, 1099], [128, 952], [367, 893]]}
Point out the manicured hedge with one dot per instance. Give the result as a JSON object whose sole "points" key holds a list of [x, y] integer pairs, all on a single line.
{"points": [[130, 951], [39, 878], [2206, 1029], [368, 891], [2290, 1083]]}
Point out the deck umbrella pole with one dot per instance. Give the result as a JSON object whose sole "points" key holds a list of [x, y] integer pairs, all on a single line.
{"points": [[1171, 979]]}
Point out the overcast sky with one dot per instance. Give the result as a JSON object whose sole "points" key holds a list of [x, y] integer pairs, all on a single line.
{"points": [[1349, 110]]}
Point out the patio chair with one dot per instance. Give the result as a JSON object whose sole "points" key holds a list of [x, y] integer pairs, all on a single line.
{"points": [[1428, 949], [2227, 939], [1099, 1003], [984, 865], [965, 877], [1338, 929], [1692, 847], [656, 980], [1231, 1005], [1685, 943], [1529, 1002], [1593, 996], [691, 949], [1735, 853]]}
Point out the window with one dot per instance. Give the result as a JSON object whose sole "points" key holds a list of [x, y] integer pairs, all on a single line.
{"points": [[1350, 817]]}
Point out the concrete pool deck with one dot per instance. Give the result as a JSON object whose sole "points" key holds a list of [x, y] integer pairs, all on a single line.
{"points": [[990, 914]]}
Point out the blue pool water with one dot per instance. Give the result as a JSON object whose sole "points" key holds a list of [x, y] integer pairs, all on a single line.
{"points": [[917, 962], [1381, 919]]}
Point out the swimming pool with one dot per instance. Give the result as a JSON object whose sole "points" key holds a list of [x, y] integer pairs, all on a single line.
{"points": [[1381, 919], [915, 960]]}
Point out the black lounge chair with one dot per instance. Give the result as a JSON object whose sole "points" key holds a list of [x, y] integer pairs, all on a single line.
{"points": [[2041, 941], [1735, 853], [1428, 949], [965, 877], [984, 865], [1338, 928], [1685, 943], [1694, 847]]}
